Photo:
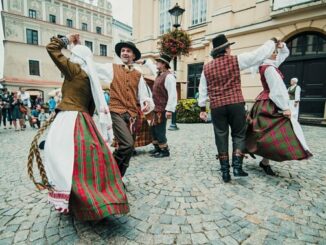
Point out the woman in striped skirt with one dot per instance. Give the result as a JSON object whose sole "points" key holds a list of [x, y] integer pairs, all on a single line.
{"points": [[272, 132], [83, 175]]}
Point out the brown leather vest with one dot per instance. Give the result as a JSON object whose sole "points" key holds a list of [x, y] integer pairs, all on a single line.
{"points": [[124, 90]]}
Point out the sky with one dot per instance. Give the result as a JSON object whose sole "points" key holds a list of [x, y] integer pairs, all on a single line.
{"points": [[122, 10]]}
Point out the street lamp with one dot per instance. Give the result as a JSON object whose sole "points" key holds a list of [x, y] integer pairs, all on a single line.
{"points": [[175, 13]]}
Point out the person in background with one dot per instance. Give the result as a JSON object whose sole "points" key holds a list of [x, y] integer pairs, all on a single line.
{"points": [[52, 105], [16, 113], [34, 117], [26, 101], [294, 93], [7, 108], [42, 117]]}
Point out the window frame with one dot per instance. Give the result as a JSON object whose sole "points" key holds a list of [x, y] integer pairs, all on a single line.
{"points": [[198, 14], [51, 18], [33, 36], [90, 46], [105, 53], [164, 16], [32, 67], [69, 23], [32, 13]]}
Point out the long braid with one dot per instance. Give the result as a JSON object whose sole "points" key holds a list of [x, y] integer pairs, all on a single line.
{"points": [[34, 151]]}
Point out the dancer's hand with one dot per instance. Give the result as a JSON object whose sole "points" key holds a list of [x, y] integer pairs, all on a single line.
{"points": [[74, 38], [203, 116], [168, 114], [280, 44], [287, 113], [296, 103], [146, 106]]}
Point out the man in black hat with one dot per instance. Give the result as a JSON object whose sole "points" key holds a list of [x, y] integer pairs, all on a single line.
{"points": [[220, 82], [165, 99], [127, 88]]}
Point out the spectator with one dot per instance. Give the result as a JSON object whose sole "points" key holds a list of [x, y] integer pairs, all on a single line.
{"points": [[39, 100], [26, 101], [52, 105], [42, 117], [7, 100], [16, 113], [34, 117]]}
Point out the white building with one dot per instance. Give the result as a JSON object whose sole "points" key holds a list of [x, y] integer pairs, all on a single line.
{"points": [[28, 27]]}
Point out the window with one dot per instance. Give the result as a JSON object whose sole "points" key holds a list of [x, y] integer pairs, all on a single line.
{"points": [[198, 11], [89, 44], [307, 43], [165, 18], [32, 36], [194, 73], [34, 67], [69, 23], [103, 49], [84, 26], [52, 18], [32, 13], [98, 30]]}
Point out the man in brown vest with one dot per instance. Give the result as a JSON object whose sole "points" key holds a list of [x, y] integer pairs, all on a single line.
{"points": [[221, 83], [165, 100], [128, 87]]}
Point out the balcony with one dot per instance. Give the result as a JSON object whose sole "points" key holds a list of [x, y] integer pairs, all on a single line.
{"points": [[282, 7]]}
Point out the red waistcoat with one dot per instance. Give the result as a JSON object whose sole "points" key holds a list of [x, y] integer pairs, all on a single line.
{"points": [[223, 81], [264, 95], [160, 94]]}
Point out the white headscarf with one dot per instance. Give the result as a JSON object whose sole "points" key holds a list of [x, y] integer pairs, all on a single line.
{"points": [[83, 56]]}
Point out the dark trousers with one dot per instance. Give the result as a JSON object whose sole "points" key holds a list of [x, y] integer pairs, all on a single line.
{"points": [[233, 115], [159, 131], [121, 131], [6, 115]]}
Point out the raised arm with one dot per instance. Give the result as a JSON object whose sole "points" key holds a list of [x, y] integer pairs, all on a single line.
{"points": [[171, 86], [278, 92], [203, 96], [256, 57], [62, 62], [283, 53], [104, 71]]}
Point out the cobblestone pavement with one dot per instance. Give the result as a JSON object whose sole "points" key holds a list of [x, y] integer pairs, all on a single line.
{"points": [[179, 200]]}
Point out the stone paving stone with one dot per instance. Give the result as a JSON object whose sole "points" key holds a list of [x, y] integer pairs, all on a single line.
{"points": [[176, 200], [199, 238]]}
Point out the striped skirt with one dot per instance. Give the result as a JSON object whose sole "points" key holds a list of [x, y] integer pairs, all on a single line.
{"points": [[271, 135], [97, 189]]}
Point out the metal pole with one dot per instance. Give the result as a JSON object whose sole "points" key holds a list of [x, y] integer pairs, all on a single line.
{"points": [[173, 125]]}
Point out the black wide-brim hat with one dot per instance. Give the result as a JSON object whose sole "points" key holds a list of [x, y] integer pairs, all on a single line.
{"points": [[165, 59], [130, 45], [220, 42]]}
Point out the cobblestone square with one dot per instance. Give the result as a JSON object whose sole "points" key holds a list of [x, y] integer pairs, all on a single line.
{"points": [[177, 200]]}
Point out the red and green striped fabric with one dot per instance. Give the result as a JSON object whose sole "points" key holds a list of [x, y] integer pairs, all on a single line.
{"points": [[97, 188], [271, 134]]}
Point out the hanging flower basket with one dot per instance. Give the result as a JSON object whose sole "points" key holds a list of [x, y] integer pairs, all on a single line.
{"points": [[175, 43]]}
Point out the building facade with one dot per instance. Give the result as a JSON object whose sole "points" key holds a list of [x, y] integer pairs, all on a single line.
{"points": [[121, 33], [300, 23], [28, 26]]}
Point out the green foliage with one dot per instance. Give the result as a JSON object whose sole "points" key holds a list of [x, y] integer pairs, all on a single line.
{"points": [[188, 111]]}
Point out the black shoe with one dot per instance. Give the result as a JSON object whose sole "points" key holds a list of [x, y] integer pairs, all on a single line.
{"points": [[165, 152], [225, 167], [155, 151], [267, 168], [237, 166]]}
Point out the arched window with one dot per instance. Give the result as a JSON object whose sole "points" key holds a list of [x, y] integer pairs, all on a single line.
{"points": [[307, 43]]}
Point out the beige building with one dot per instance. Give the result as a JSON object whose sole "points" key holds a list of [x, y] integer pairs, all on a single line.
{"points": [[300, 23], [28, 27]]}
